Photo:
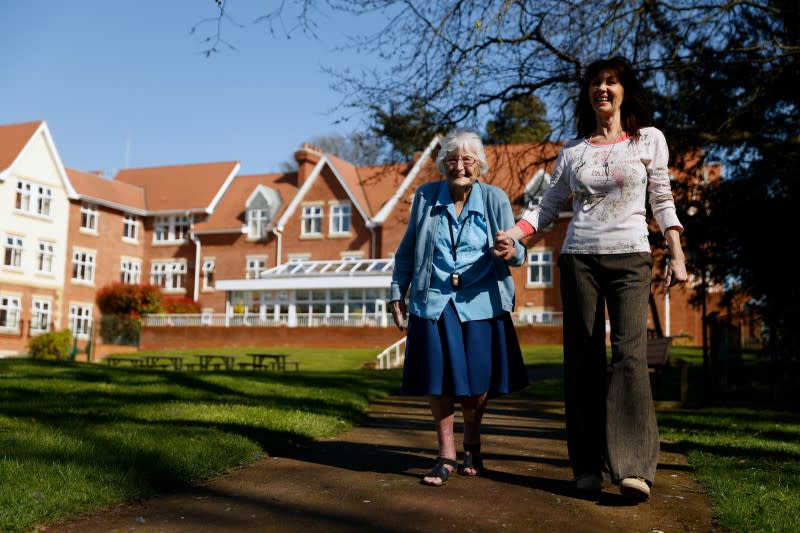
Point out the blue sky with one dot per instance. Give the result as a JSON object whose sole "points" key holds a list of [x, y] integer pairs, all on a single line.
{"points": [[122, 83]]}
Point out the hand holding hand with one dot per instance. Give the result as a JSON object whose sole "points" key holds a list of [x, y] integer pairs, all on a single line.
{"points": [[398, 308], [503, 245]]}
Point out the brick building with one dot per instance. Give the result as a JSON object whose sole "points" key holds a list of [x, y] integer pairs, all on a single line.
{"points": [[305, 248]]}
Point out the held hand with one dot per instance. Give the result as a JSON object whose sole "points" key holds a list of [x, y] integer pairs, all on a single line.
{"points": [[398, 313], [503, 246], [676, 272]]}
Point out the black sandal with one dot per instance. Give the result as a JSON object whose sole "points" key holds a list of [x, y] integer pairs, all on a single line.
{"points": [[472, 459], [440, 470]]}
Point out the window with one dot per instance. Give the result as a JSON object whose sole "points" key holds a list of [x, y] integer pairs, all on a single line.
{"points": [[540, 268], [340, 218], [9, 313], [208, 274], [257, 223], [12, 257], [34, 199], [83, 266], [171, 229], [44, 257], [80, 320], [169, 275], [40, 316], [312, 220], [130, 228], [89, 217], [130, 271], [254, 267]]}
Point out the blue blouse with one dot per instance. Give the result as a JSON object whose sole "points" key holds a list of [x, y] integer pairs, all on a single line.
{"points": [[477, 296]]}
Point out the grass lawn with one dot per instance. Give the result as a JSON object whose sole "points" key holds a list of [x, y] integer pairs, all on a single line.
{"points": [[75, 437]]}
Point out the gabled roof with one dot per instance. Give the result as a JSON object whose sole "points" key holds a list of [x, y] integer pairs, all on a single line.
{"points": [[15, 139], [114, 194], [180, 188], [229, 216]]}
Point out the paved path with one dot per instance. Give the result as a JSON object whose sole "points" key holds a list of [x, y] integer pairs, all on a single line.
{"points": [[368, 480]]}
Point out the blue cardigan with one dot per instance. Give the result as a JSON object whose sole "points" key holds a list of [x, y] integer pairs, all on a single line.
{"points": [[413, 261]]}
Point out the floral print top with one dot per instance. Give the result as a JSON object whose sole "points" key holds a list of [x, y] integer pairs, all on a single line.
{"points": [[609, 184]]}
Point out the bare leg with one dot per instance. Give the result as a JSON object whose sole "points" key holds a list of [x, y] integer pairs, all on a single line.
{"points": [[442, 409], [473, 409]]}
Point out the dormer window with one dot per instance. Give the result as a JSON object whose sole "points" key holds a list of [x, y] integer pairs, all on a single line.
{"points": [[536, 188], [257, 223], [261, 208]]}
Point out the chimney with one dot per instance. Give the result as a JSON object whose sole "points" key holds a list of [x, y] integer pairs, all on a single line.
{"points": [[307, 156]]}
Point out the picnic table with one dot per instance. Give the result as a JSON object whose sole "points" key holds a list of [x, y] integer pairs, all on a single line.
{"points": [[116, 360], [275, 360], [163, 361], [217, 361]]}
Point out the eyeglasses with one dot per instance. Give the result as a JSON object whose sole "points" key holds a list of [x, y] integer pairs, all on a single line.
{"points": [[467, 161]]}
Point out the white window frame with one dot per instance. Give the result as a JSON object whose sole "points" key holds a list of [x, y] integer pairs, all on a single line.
{"points": [[130, 271], [33, 199], [340, 218], [254, 264], [541, 262], [84, 265], [257, 223], [311, 221], [12, 252], [41, 315], [45, 256], [90, 217], [9, 313], [130, 228], [169, 275], [80, 320], [172, 229], [208, 273]]}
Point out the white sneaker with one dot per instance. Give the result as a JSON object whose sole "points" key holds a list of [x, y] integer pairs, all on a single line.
{"points": [[589, 483], [635, 488]]}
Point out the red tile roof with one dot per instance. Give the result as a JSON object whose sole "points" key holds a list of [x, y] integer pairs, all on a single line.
{"points": [[192, 187], [112, 193], [230, 212], [13, 138]]}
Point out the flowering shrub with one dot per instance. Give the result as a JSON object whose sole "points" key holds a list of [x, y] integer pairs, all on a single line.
{"points": [[180, 305], [129, 300]]}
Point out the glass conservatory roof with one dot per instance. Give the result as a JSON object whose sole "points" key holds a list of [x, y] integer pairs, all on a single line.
{"points": [[333, 274], [340, 267]]}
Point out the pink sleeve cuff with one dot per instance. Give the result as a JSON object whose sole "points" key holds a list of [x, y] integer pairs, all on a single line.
{"points": [[526, 227]]}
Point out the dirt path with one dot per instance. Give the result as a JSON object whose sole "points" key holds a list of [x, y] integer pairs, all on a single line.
{"points": [[368, 480]]}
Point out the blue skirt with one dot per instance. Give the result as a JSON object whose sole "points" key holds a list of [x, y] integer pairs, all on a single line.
{"points": [[450, 357]]}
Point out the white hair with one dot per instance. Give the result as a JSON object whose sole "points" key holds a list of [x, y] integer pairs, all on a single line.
{"points": [[464, 141]]}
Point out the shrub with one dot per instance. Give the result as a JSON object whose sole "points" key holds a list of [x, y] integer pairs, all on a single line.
{"points": [[130, 300], [180, 305], [120, 329], [52, 345]]}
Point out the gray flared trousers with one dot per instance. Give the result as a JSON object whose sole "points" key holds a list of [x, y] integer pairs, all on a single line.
{"points": [[611, 420]]}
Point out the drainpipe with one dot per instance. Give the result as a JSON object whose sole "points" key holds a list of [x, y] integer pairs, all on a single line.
{"points": [[196, 240], [373, 241], [278, 244]]}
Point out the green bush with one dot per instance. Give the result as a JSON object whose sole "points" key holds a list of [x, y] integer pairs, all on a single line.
{"points": [[52, 345], [120, 329]]}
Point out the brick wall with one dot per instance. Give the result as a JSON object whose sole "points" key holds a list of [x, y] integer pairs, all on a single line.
{"points": [[332, 337]]}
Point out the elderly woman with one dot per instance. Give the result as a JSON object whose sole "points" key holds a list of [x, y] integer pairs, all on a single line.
{"points": [[461, 343], [614, 166]]}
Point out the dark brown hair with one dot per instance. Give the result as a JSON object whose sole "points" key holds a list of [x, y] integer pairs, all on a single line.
{"points": [[635, 112]]}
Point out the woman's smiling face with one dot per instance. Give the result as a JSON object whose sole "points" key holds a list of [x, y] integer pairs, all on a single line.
{"points": [[461, 168], [606, 93]]}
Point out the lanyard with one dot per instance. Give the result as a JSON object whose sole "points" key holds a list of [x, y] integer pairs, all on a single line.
{"points": [[453, 239]]}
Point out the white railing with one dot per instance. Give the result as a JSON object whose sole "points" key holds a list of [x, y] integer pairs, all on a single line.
{"points": [[393, 356], [520, 318]]}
